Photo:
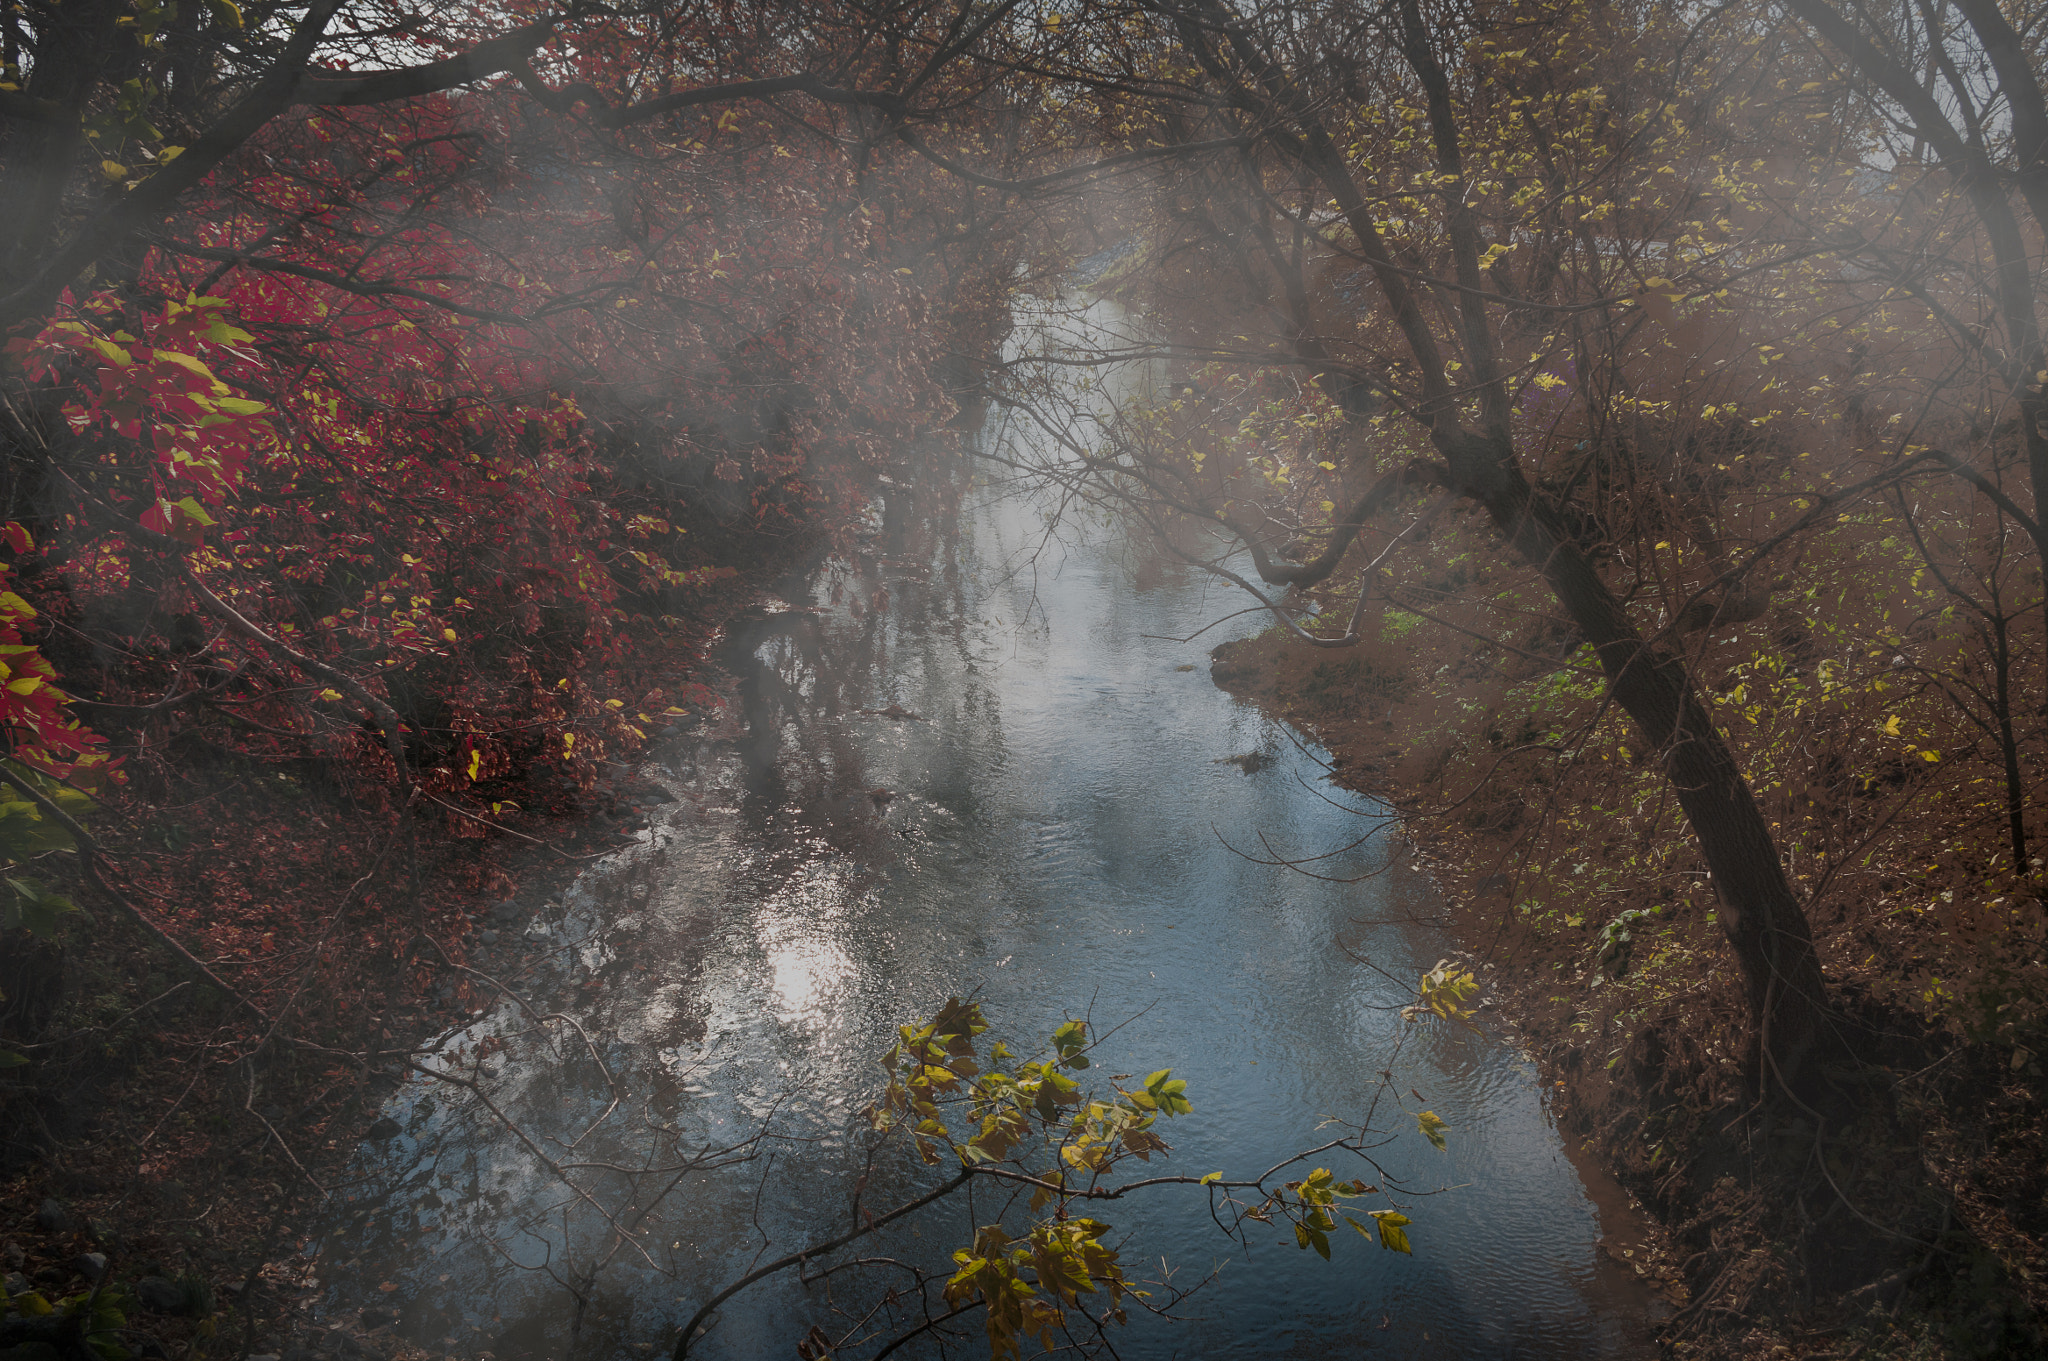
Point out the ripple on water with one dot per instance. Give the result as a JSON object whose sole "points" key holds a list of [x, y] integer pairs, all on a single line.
{"points": [[1073, 843]]}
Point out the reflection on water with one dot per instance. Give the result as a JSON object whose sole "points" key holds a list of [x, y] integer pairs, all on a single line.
{"points": [[968, 763], [797, 932]]}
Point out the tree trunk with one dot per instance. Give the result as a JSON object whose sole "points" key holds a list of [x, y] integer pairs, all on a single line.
{"points": [[1760, 914]]}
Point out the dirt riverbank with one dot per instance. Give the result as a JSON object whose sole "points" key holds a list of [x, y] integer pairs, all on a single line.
{"points": [[1872, 1228]]}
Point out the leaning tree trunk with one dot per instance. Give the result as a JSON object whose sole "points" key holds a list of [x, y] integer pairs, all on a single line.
{"points": [[1760, 913]]}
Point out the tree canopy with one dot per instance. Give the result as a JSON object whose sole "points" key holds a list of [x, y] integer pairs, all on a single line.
{"points": [[388, 388]]}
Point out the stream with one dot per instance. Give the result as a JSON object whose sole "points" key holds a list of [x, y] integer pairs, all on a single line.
{"points": [[970, 762]]}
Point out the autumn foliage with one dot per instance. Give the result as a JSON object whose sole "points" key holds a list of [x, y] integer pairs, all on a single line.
{"points": [[1654, 398], [379, 497]]}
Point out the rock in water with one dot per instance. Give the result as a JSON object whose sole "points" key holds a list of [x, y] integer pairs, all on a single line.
{"points": [[53, 1217]]}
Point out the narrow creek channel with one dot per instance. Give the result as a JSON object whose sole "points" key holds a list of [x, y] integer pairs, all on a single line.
{"points": [[1055, 798]]}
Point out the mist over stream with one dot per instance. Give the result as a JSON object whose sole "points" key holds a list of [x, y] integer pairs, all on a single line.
{"points": [[1040, 821]]}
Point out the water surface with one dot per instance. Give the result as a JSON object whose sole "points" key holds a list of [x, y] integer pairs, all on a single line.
{"points": [[1058, 833]]}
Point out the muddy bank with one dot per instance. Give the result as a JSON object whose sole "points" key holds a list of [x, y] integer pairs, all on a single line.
{"points": [[1868, 1229], [1359, 720]]}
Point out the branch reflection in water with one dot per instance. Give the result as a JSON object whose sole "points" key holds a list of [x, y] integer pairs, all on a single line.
{"points": [[1047, 845]]}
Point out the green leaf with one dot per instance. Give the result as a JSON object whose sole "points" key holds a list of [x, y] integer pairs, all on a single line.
{"points": [[10, 1059], [1167, 1091], [25, 903], [192, 510], [107, 1348], [1432, 1127], [1301, 1236], [1391, 1223], [24, 832]]}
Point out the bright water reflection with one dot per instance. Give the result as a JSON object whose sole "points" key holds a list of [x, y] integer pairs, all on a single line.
{"points": [[1054, 843]]}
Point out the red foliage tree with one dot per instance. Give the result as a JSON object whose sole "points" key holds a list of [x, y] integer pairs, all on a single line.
{"points": [[386, 427]]}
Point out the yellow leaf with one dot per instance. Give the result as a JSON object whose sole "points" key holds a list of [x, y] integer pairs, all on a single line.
{"points": [[331, 696], [192, 366], [1891, 726]]}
